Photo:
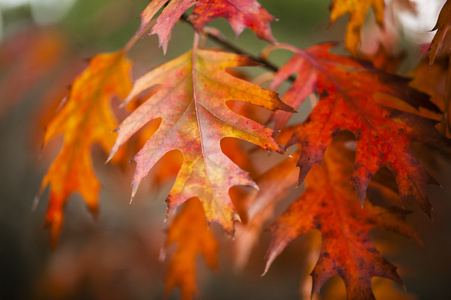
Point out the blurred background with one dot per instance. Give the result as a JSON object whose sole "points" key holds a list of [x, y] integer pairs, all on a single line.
{"points": [[44, 44]]}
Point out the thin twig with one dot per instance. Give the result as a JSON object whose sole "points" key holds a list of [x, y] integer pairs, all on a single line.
{"points": [[231, 47]]}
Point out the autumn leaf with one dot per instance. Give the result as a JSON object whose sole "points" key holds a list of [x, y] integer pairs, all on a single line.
{"points": [[189, 230], [382, 289], [350, 93], [191, 102], [273, 187], [330, 204], [84, 119], [383, 60], [439, 49], [435, 80], [165, 21], [441, 43], [240, 14], [299, 90], [357, 10], [171, 162]]}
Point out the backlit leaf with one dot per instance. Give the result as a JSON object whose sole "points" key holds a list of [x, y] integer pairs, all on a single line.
{"points": [[191, 101], [273, 187], [350, 93], [190, 231], [84, 119], [330, 204], [357, 10], [165, 21], [240, 14]]}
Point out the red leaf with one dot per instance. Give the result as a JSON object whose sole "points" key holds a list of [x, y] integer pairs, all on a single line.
{"points": [[330, 204], [166, 21], [240, 14], [350, 92]]}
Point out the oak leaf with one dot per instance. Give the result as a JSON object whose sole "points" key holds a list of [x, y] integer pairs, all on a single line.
{"points": [[301, 88], [351, 93], [357, 10], [170, 163], [191, 101], [441, 43], [85, 118], [330, 204], [165, 21], [190, 231], [240, 14]]}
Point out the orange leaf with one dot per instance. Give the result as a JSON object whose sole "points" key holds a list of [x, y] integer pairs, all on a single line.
{"points": [[435, 80], [240, 14], [190, 231], [330, 204], [349, 93], [382, 289], [191, 100], [166, 21], [273, 187], [357, 10], [442, 39], [383, 60], [84, 119]]}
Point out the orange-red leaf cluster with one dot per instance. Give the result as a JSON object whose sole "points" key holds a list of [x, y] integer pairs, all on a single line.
{"points": [[189, 122], [350, 94]]}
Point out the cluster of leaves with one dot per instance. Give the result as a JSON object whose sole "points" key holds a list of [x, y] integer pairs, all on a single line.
{"points": [[186, 107]]}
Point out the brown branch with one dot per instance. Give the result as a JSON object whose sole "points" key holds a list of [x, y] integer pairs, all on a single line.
{"points": [[231, 47]]}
